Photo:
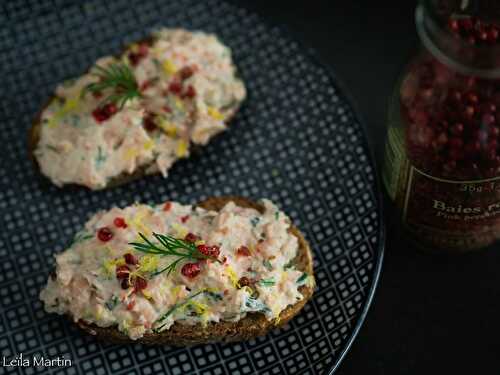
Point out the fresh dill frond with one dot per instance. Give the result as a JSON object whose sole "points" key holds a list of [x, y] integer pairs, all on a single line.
{"points": [[168, 245], [118, 78]]}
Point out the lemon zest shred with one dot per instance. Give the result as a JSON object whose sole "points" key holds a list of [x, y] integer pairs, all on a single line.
{"points": [[284, 275], [131, 153], [52, 123], [178, 103], [126, 324], [169, 67], [180, 230], [144, 229], [110, 265], [138, 225], [70, 104], [200, 308], [163, 288], [120, 262], [148, 263], [214, 113], [176, 290], [146, 293], [182, 148], [99, 312], [169, 128], [231, 274], [148, 145]]}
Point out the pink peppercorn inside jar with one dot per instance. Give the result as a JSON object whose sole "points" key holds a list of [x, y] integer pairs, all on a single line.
{"points": [[442, 160]]}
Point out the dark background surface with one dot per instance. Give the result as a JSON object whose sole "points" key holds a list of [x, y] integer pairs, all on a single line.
{"points": [[431, 314]]}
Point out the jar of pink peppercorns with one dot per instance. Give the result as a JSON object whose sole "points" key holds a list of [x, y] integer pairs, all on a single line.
{"points": [[442, 159]]}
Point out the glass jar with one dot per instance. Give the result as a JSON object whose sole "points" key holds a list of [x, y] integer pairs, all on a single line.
{"points": [[442, 157]]}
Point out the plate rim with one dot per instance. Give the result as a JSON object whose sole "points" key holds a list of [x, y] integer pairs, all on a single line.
{"points": [[318, 59]]}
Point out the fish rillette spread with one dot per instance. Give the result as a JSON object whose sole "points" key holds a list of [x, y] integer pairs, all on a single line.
{"points": [[143, 268], [140, 110]]}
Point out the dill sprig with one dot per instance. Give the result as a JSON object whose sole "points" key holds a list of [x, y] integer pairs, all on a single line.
{"points": [[176, 307], [168, 245], [267, 282], [117, 77]]}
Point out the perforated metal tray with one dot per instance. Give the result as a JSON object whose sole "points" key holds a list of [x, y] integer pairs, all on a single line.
{"points": [[297, 140]]}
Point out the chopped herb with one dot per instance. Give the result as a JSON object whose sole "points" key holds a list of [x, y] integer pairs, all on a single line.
{"points": [[277, 215], [174, 308], [112, 302], [74, 119], [216, 296], [52, 148], [100, 158], [254, 305], [267, 264], [302, 279], [80, 237], [267, 282], [168, 245], [157, 63], [254, 221], [290, 264]]}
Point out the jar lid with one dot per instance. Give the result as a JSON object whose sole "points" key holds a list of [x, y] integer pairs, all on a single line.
{"points": [[439, 26]]}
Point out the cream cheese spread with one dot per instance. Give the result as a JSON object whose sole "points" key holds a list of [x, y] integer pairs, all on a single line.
{"points": [[128, 267], [185, 92]]}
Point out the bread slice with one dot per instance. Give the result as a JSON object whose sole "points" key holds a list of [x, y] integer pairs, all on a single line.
{"points": [[123, 178], [253, 325]]}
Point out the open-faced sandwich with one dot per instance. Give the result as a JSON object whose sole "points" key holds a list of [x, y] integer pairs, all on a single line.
{"points": [[226, 269], [139, 112]]}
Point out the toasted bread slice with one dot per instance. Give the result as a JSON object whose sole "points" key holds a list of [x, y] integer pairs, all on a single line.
{"points": [[253, 325]]}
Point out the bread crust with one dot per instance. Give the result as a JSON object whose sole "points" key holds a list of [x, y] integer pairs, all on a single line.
{"points": [[253, 325], [123, 178]]}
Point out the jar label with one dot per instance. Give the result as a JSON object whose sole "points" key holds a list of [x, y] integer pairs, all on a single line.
{"points": [[395, 160], [447, 213]]}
